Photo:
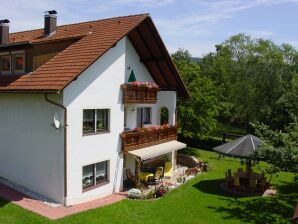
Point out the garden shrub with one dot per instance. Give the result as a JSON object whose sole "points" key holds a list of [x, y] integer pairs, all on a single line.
{"points": [[134, 193], [161, 191]]}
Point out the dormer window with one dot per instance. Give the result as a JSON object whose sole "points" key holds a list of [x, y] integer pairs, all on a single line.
{"points": [[12, 63], [5, 63], [19, 63]]}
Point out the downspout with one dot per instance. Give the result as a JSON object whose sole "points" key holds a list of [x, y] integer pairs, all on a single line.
{"points": [[65, 142]]}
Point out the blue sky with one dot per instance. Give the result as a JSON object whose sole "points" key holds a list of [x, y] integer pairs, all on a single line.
{"points": [[195, 25]]}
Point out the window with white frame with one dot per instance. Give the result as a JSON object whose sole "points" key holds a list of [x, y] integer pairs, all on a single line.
{"points": [[95, 174], [95, 120]]}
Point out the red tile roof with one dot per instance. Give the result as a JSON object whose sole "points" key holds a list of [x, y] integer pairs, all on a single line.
{"points": [[97, 37]]}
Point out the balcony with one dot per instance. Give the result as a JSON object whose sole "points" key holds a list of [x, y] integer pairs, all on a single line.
{"points": [[132, 140], [143, 93]]}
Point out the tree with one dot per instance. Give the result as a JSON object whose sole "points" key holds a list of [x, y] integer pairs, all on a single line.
{"points": [[254, 77], [197, 116], [279, 148]]}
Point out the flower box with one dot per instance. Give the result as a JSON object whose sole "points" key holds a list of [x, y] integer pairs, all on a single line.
{"points": [[136, 92], [144, 137]]}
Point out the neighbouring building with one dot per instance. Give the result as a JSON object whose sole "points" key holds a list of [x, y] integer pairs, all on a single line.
{"points": [[79, 105]]}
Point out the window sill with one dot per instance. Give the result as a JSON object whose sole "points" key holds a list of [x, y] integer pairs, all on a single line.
{"points": [[97, 133], [95, 186]]}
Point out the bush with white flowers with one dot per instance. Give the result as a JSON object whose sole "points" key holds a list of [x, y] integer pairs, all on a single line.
{"points": [[135, 193]]}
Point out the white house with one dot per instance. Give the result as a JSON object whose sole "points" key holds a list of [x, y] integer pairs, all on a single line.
{"points": [[67, 108]]}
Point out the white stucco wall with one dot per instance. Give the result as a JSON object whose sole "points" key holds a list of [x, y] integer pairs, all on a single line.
{"points": [[164, 98], [31, 150], [132, 61], [97, 88]]}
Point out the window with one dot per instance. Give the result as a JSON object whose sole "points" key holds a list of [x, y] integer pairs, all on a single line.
{"points": [[19, 63], [95, 121], [147, 115], [12, 63], [143, 116], [5, 64], [95, 174]]}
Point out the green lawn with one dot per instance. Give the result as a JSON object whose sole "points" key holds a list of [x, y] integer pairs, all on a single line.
{"points": [[198, 201]]}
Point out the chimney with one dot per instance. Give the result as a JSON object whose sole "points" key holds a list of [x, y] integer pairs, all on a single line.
{"points": [[50, 22], [4, 31]]}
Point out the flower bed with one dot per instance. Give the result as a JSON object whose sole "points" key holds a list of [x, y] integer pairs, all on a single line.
{"points": [[155, 192]]}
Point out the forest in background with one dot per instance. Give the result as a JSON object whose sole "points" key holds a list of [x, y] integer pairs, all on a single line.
{"points": [[248, 85]]}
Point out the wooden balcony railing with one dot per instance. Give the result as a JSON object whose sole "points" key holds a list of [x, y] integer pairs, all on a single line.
{"points": [[132, 140], [139, 94]]}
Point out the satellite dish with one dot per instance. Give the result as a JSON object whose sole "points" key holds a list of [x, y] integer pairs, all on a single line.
{"points": [[56, 123]]}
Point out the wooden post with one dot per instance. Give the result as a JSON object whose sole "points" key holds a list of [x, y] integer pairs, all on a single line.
{"points": [[138, 172], [223, 138]]}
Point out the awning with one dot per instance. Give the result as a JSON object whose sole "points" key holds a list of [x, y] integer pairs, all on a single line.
{"points": [[157, 150]]}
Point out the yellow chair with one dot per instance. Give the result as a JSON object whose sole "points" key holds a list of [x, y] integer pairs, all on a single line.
{"points": [[168, 170]]}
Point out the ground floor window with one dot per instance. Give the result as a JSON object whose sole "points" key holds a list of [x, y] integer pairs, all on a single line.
{"points": [[95, 174]]}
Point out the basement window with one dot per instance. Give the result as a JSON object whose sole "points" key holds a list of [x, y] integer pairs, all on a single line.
{"points": [[95, 175], [96, 121]]}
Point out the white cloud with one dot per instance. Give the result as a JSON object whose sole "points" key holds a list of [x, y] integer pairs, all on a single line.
{"points": [[258, 33], [146, 3], [196, 48], [186, 23]]}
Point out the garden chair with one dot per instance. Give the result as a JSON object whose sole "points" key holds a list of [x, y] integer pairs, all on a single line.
{"points": [[262, 184], [158, 174], [229, 173], [131, 179], [237, 183], [168, 170], [252, 184], [229, 179]]}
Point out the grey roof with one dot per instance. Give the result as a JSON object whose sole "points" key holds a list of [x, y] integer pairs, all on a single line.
{"points": [[243, 147]]}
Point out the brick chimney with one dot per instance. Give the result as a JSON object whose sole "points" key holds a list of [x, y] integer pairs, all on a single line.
{"points": [[4, 31], [50, 23]]}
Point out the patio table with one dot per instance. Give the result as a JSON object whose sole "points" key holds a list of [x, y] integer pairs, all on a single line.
{"points": [[144, 176], [245, 178], [244, 175]]}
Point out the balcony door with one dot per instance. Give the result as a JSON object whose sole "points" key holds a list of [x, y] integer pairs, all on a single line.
{"points": [[143, 116]]}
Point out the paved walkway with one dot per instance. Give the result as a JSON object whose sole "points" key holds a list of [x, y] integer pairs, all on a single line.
{"points": [[41, 208]]}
